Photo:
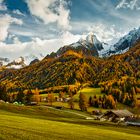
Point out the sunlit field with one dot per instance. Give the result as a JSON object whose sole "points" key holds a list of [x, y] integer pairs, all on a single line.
{"points": [[41, 123]]}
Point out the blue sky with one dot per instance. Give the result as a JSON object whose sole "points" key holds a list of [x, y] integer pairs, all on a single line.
{"points": [[42, 26]]}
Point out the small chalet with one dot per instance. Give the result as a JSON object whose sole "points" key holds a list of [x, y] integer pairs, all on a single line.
{"points": [[116, 115]]}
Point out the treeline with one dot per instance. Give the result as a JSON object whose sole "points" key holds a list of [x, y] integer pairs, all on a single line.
{"points": [[26, 96], [124, 90], [22, 96], [106, 102]]}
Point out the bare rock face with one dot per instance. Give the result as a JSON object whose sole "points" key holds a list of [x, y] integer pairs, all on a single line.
{"points": [[34, 61]]}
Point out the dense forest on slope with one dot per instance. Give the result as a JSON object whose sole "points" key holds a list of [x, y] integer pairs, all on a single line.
{"points": [[69, 68], [117, 66], [73, 68]]}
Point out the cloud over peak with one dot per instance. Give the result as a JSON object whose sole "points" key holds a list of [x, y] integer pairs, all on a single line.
{"points": [[51, 11], [47, 25]]}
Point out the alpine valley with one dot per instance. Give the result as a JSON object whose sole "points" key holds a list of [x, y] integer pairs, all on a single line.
{"points": [[69, 69], [84, 63]]}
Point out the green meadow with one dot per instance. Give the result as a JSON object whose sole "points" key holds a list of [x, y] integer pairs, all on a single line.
{"points": [[43, 123], [89, 92]]}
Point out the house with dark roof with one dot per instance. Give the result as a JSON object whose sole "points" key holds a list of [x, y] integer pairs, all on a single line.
{"points": [[116, 115]]}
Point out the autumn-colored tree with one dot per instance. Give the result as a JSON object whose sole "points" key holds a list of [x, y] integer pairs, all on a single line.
{"points": [[36, 95], [110, 102], [137, 90], [73, 90], [83, 104], [104, 98], [124, 88], [50, 98], [106, 89], [134, 98], [61, 95], [133, 91], [71, 101]]}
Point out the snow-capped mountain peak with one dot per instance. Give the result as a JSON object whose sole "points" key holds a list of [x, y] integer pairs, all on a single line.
{"points": [[87, 44], [128, 40], [17, 63], [90, 37], [91, 42], [125, 43], [19, 60]]}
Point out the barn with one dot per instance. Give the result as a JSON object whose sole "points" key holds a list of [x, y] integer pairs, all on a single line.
{"points": [[116, 115]]}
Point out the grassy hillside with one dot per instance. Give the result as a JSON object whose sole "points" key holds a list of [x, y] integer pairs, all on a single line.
{"points": [[22, 123], [91, 91]]}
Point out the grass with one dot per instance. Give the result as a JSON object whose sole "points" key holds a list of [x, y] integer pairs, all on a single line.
{"points": [[46, 95], [76, 106], [89, 92], [138, 95], [42, 123]]}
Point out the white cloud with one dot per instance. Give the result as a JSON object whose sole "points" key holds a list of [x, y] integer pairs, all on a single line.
{"points": [[51, 11], [5, 22], [24, 32], [106, 34], [130, 4], [17, 12], [36, 46], [69, 38]]}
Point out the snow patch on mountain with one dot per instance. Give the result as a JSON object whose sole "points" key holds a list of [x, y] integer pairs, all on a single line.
{"points": [[19, 62], [90, 42], [124, 44]]}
